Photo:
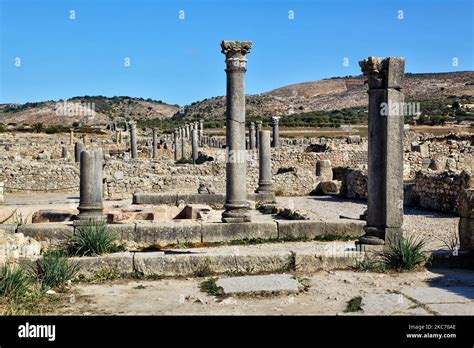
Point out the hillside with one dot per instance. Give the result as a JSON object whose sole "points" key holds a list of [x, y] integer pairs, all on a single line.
{"points": [[324, 95], [77, 110], [335, 94]]}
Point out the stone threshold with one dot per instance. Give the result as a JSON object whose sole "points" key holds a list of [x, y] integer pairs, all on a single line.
{"points": [[173, 232]]}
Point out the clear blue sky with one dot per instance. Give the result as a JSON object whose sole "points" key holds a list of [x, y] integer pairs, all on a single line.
{"points": [[179, 61]]}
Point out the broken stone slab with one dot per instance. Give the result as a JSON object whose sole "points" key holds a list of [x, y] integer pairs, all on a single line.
{"points": [[259, 283], [330, 187], [388, 304], [221, 232], [43, 216], [192, 211], [454, 294], [14, 246]]}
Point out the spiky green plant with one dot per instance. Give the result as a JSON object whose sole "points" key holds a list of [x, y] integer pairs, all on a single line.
{"points": [[93, 239], [14, 282], [405, 254], [54, 269]]}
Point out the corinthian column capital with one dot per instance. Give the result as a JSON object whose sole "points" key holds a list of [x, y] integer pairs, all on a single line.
{"points": [[235, 52]]}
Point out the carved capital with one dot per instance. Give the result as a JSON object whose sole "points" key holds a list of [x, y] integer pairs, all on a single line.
{"points": [[235, 52], [383, 72], [275, 120]]}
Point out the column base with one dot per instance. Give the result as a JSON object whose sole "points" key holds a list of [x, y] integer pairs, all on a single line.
{"points": [[380, 235], [236, 213]]}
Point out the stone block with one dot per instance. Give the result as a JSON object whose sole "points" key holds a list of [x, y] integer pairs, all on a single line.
{"points": [[221, 232], [42, 216], [163, 233], [121, 262], [123, 231], [300, 228], [52, 234]]}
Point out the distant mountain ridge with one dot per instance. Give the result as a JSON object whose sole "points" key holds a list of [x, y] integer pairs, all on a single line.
{"points": [[322, 95]]}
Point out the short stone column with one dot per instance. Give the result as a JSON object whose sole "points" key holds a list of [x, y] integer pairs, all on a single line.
{"points": [[324, 170], [194, 143], [236, 204], [2, 190], [258, 126], [466, 220], [133, 139], [155, 144], [385, 149], [91, 186], [252, 136], [183, 147], [264, 163], [78, 148], [276, 132], [64, 152]]}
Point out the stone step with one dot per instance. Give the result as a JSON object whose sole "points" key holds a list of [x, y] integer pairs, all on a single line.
{"points": [[304, 257]]}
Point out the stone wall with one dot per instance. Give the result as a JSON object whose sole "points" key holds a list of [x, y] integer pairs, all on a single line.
{"points": [[429, 190]]}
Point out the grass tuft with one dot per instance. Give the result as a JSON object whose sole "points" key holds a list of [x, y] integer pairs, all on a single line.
{"points": [[405, 254], [15, 282], [54, 269], [209, 286], [92, 240]]}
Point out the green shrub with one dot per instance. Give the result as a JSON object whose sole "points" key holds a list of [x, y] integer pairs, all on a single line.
{"points": [[405, 254], [14, 282], [54, 269], [354, 305], [211, 287], [370, 264], [93, 239]]}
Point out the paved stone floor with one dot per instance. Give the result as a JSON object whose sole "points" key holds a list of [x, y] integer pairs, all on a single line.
{"points": [[440, 291]]}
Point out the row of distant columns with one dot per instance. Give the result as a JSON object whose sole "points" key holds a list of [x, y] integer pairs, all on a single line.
{"points": [[254, 134]]}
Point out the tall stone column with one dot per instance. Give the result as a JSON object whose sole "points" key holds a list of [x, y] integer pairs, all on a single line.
{"points": [[252, 136], [186, 130], [276, 132], [71, 137], [201, 129], [264, 163], [183, 147], [176, 140], [466, 219], [194, 142], [133, 139], [258, 125], [91, 187], [236, 204], [155, 144], [78, 148], [385, 139]]}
